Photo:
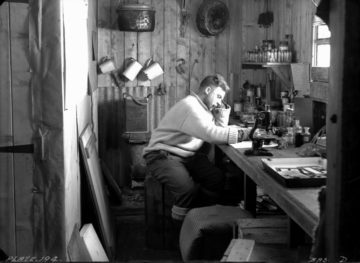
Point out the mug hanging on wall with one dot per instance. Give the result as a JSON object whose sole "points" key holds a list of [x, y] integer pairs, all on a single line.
{"points": [[132, 69], [152, 69]]}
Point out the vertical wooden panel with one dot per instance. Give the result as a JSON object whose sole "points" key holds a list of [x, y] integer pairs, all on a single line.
{"points": [[104, 17], [22, 110], [131, 47], [117, 39], [7, 202], [196, 48], [235, 50], [170, 28], [104, 38], [157, 46], [104, 50], [183, 50], [222, 52], [144, 48]]}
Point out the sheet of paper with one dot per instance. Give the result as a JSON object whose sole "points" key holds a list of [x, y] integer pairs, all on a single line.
{"points": [[248, 145]]}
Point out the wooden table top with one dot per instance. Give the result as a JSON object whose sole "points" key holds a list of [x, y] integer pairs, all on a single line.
{"points": [[300, 204]]}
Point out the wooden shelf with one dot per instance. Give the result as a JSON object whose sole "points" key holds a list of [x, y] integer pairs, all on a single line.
{"points": [[259, 65]]}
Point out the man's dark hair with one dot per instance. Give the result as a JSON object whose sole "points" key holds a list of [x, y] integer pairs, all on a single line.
{"points": [[214, 81]]}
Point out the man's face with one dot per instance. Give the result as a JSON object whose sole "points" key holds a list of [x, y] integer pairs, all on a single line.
{"points": [[214, 97]]}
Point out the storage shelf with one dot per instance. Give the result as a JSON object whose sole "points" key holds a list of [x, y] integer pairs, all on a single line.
{"points": [[259, 65]]}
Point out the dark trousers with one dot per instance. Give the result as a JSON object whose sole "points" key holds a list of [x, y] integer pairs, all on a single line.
{"points": [[194, 181]]}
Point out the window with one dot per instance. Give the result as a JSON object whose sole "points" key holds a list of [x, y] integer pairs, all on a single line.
{"points": [[321, 44]]}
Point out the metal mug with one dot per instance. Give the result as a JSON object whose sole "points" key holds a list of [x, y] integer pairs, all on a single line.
{"points": [[153, 69], [132, 70], [106, 65]]}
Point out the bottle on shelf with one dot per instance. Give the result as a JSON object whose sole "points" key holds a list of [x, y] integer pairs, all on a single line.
{"points": [[306, 135], [298, 139], [289, 115]]}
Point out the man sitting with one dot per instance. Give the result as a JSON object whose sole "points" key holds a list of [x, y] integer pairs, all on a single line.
{"points": [[173, 155]]}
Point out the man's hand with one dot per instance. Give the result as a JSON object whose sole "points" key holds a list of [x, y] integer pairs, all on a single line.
{"points": [[243, 134], [222, 114]]}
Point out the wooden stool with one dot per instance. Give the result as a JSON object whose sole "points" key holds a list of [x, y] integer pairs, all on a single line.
{"points": [[160, 230]]}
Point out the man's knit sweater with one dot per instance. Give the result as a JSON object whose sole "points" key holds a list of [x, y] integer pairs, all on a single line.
{"points": [[186, 126]]}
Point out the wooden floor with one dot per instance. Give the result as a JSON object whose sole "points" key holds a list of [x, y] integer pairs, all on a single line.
{"points": [[130, 232], [130, 235]]}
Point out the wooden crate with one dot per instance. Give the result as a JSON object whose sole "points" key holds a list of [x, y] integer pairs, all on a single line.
{"points": [[270, 236]]}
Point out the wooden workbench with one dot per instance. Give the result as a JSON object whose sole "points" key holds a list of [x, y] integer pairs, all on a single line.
{"points": [[300, 204]]}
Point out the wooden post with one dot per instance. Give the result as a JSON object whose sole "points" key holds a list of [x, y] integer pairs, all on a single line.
{"points": [[342, 197]]}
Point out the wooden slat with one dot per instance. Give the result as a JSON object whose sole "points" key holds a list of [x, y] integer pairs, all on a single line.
{"points": [[7, 202], [104, 38], [131, 51], [170, 28], [239, 250], [183, 50], [97, 189], [264, 230], [76, 248], [19, 26], [196, 49], [92, 244], [104, 17], [22, 117], [235, 51], [222, 52], [157, 51], [117, 40], [104, 50], [144, 48]]}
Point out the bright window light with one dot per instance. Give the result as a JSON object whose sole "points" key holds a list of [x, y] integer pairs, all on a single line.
{"points": [[321, 44]]}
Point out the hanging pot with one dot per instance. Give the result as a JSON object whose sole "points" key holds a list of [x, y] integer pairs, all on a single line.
{"points": [[212, 17], [136, 17]]}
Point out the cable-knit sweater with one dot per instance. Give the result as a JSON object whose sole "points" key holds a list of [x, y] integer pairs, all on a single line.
{"points": [[186, 126]]}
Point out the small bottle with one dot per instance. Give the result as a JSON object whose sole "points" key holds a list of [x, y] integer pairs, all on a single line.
{"points": [[298, 138], [306, 135], [289, 136]]}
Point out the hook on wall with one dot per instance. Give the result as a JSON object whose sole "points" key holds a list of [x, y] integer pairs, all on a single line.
{"points": [[184, 16]]}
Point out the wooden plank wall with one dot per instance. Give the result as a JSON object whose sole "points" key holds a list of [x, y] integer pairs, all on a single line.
{"points": [[201, 55], [7, 202], [16, 129]]}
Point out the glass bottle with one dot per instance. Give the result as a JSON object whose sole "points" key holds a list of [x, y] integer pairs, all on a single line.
{"points": [[289, 136], [298, 139], [306, 135]]}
